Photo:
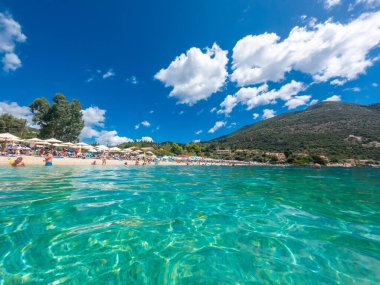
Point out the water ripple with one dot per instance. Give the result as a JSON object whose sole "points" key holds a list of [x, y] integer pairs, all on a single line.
{"points": [[189, 225]]}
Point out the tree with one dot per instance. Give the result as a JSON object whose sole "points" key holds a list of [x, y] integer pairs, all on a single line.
{"points": [[62, 120], [193, 148], [11, 124], [176, 149]]}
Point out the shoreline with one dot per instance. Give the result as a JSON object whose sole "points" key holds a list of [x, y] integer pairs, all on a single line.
{"points": [[66, 161]]}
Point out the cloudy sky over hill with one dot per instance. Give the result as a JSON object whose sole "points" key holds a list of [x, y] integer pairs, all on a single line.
{"points": [[187, 70]]}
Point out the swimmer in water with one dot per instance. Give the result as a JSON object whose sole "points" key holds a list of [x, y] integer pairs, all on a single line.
{"points": [[18, 162], [48, 159]]}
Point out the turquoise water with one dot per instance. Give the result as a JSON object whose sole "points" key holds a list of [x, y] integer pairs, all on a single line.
{"points": [[189, 225]]}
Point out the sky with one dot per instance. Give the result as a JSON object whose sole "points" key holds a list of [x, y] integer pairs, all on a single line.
{"points": [[186, 70]]}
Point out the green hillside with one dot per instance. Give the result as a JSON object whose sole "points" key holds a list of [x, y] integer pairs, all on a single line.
{"points": [[336, 129]]}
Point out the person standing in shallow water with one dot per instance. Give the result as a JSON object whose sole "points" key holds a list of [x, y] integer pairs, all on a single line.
{"points": [[104, 159], [48, 159]]}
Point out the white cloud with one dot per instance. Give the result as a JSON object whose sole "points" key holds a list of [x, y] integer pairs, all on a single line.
{"points": [[297, 101], [137, 126], [338, 82], [88, 132], [11, 62], [331, 3], [259, 96], [313, 102], [146, 139], [368, 3], [133, 80], [22, 112], [268, 113], [145, 123], [151, 112], [328, 50], [217, 126], [334, 98], [196, 141], [93, 118], [198, 132], [181, 112], [111, 138], [10, 35], [110, 73], [374, 84], [255, 116], [213, 110], [195, 75], [353, 89]]}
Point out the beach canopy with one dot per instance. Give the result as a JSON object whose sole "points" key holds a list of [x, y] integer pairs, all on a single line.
{"points": [[53, 140], [102, 147], [83, 145], [92, 150], [58, 144], [9, 137], [34, 140], [68, 144], [115, 149]]}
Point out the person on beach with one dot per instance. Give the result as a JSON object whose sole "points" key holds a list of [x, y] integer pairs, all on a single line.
{"points": [[104, 159], [18, 162], [48, 159], [93, 163]]}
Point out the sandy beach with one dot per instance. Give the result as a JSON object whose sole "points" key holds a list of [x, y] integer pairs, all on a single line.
{"points": [[33, 160]]}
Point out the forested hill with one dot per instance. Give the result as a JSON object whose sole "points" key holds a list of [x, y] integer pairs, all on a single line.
{"points": [[330, 128]]}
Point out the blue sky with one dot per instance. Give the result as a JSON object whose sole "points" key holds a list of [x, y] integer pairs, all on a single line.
{"points": [[108, 54]]}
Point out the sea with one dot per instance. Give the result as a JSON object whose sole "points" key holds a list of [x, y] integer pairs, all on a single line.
{"points": [[189, 225]]}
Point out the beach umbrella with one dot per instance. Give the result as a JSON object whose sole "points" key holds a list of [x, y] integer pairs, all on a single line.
{"points": [[34, 140], [102, 147], [149, 153], [58, 145], [53, 140], [83, 145], [92, 150], [114, 149], [68, 144], [8, 137]]}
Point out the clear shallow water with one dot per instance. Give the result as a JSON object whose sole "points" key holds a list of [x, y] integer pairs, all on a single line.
{"points": [[189, 225]]}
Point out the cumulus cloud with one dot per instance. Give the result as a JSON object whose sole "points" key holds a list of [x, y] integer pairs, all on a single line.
{"points": [[93, 118], [334, 98], [217, 126], [195, 75], [326, 51], [313, 102], [22, 112], [11, 62], [10, 35], [331, 3], [260, 96], [255, 116], [297, 101], [111, 138], [268, 113], [108, 74], [198, 132], [146, 139]]}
